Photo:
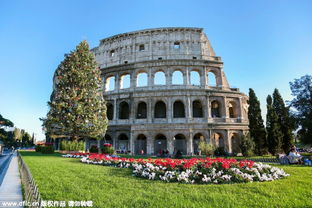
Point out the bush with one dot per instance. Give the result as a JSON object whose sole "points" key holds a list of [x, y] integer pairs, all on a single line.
{"points": [[72, 145], [94, 149], [47, 149], [247, 145], [107, 149], [220, 152], [38, 148], [206, 149]]}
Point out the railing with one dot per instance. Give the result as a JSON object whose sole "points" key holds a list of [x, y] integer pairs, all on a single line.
{"points": [[31, 191]]}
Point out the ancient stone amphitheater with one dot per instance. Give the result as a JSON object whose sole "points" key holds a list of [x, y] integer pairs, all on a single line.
{"points": [[166, 90]]}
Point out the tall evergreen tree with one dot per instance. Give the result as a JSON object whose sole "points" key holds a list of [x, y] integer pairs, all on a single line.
{"points": [[256, 126], [301, 89], [284, 119], [273, 127], [77, 106]]}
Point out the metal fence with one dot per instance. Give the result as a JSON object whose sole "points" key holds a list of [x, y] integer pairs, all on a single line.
{"points": [[31, 191]]}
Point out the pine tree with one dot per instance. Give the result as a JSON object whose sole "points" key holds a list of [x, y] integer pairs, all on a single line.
{"points": [[273, 127], [283, 117], [77, 106], [256, 126]]}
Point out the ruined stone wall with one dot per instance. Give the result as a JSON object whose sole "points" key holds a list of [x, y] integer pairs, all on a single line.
{"points": [[193, 111]]}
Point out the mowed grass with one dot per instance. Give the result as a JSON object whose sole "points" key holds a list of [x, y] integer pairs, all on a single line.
{"points": [[65, 179]]}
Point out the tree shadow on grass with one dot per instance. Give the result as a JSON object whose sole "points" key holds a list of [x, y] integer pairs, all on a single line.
{"points": [[39, 154]]}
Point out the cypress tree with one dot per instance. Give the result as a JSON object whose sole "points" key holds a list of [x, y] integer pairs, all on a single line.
{"points": [[77, 106], [256, 126], [283, 117], [273, 127]]}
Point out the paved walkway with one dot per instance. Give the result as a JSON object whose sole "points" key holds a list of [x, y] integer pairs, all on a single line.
{"points": [[11, 188]]}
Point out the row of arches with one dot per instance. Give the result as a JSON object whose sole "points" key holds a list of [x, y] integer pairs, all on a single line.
{"points": [[160, 110], [160, 143], [159, 78]]}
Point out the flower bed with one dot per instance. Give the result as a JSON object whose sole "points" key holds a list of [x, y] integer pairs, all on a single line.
{"points": [[195, 170]]}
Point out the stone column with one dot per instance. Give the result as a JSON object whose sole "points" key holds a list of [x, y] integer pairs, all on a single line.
{"points": [[117, 82], [186, 77], [225, 109], [131, 142], [115, 116], [189, 143], [203, 78], [228, 139], [188, 108], [149, 110], [169, 110], [150, 144], [168, 77], [240, 107], [150, 78]]}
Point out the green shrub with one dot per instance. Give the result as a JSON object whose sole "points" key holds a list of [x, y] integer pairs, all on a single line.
{"points": [[72, 145], [47, 149], [247, 145], [94, 149], [206, 149], [220, 151], [38, 148], [108, 150]]}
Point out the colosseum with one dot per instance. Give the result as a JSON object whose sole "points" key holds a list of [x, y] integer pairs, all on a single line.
{"points": [[166, 90]]}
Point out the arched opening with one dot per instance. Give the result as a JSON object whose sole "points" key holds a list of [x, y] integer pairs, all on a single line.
{"points": [[160, 110], [142, 79], [160, 144], [215, 109], [177, 78], [110, 83], [125, 81], [197, 109], [235, 142], [123, 143], [218, 140], [124, 110], [140, 145], [195, 78], [159, 78], [108, 139], [232, 110], [196, 140], [110, 111], [212, 79], [178, 110], [141, 110], [180, 143]]}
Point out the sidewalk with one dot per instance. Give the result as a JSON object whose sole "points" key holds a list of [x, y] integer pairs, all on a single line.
{"points": [[11, 188]]}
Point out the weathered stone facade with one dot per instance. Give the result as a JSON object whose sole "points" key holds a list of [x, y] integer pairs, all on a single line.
{"points": [[163, 113]]}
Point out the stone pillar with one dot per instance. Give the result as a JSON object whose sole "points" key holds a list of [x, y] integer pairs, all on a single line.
{"points": [[188, 108], [189, 143], [168, 78], [203, 78], [208, 107], [150, 144], [169, 110], [149, 110], [117, 82], [133, 79], [225, 109], [150, 78], [131, 142], [229, 143], [115, 116], [186, 77], [240, 107]]}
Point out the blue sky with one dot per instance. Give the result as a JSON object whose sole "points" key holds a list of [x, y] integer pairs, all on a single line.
{"points": [[264, 44]]}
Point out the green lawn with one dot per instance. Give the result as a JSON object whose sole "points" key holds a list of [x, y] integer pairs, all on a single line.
{"points": [[67, 179]]}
